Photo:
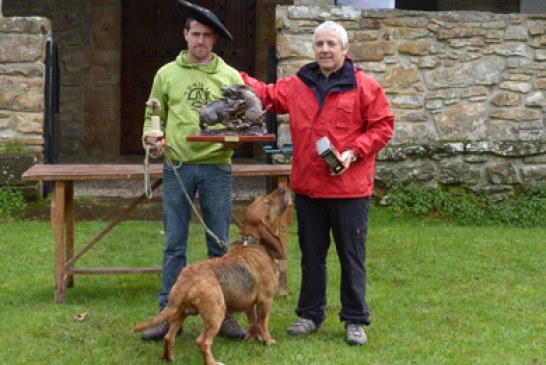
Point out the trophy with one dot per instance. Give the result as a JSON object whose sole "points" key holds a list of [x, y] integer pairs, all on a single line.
{"points": [[236, 117]]}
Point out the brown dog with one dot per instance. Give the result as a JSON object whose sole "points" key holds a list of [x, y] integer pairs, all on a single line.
{"points": [[243, 280]]}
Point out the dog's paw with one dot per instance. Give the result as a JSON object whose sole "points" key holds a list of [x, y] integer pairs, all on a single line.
{"points": [[251, 337], [167, 357], [270, 342]]}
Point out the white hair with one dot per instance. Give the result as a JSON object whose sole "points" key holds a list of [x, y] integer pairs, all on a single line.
{"points": [[338, 28]]}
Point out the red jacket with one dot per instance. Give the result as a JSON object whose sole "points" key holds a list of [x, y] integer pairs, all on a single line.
{"points": [[354, 114]]}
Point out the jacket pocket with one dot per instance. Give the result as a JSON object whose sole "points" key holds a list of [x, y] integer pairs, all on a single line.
{"points": [[345, 109]]}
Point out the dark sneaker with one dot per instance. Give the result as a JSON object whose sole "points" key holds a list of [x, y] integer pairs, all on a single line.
{"points": [[231, 329], [158, 332], [355, 334], [302, 327]]}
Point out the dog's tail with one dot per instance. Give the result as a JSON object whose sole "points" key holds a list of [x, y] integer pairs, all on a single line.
{"points": [[164, 315]]}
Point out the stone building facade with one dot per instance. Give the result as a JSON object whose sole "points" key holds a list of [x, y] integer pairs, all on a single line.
{"points": [[468, 90], [22, 76], [88, 34]]}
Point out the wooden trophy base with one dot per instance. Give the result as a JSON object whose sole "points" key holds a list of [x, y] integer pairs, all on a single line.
{"points": [[269, 137]]}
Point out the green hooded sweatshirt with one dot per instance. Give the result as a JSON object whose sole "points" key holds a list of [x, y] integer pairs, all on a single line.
{"points": [[183, 88]]}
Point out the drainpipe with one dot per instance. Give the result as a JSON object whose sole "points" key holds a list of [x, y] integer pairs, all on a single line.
{"points": [[1, 16]]}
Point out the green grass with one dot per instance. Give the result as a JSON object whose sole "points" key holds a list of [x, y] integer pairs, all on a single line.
{"points": [[439, 294]]}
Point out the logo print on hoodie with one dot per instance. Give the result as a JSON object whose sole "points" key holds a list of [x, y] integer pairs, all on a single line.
{"points": [[198, 95]]}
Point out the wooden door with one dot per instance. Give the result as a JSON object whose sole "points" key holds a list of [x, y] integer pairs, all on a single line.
{"points": [[152, 35]]}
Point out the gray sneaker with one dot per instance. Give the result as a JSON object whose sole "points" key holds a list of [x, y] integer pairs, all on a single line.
{"points": [[302, 327], [158, 332], [231, 329], [355, 334]]}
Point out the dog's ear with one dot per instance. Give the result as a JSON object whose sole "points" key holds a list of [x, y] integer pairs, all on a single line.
{"points": [[272, 242]]}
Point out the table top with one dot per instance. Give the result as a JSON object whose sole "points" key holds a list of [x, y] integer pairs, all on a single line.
{"points": [[73, 172]]}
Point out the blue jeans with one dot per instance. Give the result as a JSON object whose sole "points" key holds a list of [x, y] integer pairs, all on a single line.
{"points": [[214, 184]]}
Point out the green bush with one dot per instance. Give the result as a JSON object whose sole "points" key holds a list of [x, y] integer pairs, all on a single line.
{"points": [[11, 200], [14, 148], [526, 210]]}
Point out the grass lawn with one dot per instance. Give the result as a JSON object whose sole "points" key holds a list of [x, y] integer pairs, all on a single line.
{"points": [[439, 294]]}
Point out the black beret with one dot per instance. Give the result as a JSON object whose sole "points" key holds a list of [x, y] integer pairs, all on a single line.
{"points": [[205, 16]]}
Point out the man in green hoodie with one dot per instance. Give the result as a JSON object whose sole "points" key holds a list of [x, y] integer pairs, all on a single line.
{"points": [[183, 86]]}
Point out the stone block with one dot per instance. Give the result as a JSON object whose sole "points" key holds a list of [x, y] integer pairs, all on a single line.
{"points": [[416, 48], [485, 71], [13, 166], [537, 98], [400, 77], [19, 93], [29, 25], [504, 98], [407, 101], [454, 172], [367, 51], [15, 48], [502, 174], [462, 121], [533, 174], [296, 46], [522, 87], [315, 2], [537, 28], [34, 69], [515, 114]]}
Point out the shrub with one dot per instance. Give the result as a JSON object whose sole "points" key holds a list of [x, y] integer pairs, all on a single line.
{"points": [[526, 210], [14, 148], [11, 200]]}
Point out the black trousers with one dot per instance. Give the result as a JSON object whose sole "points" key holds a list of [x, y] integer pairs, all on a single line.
{"points": [[347, 220]]}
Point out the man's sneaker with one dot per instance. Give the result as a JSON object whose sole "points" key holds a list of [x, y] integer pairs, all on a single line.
{"points": [[302, 327], [231, 329], [355, 334], [156, 333]]}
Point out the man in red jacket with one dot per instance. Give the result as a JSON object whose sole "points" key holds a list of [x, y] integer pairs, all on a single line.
{"points": [[331, 98]]}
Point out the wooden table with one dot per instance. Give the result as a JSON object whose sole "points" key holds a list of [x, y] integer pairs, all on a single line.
{"points": [[62, 211]]}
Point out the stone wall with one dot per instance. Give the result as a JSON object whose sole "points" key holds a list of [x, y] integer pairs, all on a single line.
{"points": [[468, 90], [22, 76], [88, 34]]}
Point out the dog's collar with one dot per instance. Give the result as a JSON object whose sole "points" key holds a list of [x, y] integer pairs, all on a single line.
{"points": [[250, 240]]}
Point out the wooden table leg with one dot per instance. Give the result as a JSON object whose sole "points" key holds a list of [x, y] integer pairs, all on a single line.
{"points": [[282, 182], [69, 229], [57, 221]]}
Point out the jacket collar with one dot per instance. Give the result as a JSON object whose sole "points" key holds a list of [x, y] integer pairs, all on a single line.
{"points": [[343, 79]]}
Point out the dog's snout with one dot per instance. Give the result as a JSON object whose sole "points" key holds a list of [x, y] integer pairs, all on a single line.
{"points": [[282, 198], [282, 194]]}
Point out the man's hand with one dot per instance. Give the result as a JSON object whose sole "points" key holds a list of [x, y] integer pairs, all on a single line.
{"points": [[347, 158], [157, 144]]}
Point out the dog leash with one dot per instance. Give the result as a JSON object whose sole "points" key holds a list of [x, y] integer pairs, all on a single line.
{"points": [[153, 151]]}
